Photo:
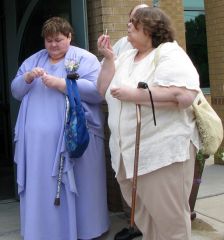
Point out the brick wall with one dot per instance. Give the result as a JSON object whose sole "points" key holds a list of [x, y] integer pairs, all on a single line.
{"points": [[215, 41], [174, 8], [214, 14]]}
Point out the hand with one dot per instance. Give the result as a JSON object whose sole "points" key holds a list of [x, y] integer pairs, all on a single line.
{"points": [[54, 82], [34, 73], [124, 93], [104, 46]]}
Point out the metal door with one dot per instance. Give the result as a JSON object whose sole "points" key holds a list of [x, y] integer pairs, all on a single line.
{"points": [[6, 163]]}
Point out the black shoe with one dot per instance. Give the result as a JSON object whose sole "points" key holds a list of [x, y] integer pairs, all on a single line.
{"points": [[127, 234]]}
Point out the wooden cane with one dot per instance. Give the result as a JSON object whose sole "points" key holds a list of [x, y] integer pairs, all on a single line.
{"points": [[135, 173], [130, 233]]}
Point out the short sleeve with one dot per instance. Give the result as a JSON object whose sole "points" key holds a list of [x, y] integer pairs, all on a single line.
{"points": [[174, 68]]}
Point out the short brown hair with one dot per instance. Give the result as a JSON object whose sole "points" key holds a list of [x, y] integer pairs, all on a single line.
{"points": [[55, 25], [156, 23]]}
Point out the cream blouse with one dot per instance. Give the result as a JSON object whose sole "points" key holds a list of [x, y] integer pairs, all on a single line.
{"points": [[169, 141]]}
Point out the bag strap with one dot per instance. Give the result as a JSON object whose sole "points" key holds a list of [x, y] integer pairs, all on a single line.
{"points": [[156, 56], [73, 93]]}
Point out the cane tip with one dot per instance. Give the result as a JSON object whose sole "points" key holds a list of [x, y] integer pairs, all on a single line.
{"points": [[57, 201]]}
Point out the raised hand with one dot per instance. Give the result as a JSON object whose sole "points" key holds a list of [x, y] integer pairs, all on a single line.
{"points": [[104, 46]]}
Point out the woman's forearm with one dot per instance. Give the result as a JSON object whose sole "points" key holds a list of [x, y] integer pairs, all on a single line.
{"points": [[19, 87], [162, 96], [182, 96], [105, 76], [159, 104]]}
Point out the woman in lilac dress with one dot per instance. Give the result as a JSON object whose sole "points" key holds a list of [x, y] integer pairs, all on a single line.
{"points": [[39, 140]]}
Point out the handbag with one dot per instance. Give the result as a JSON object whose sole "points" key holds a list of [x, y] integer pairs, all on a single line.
{"points": [[76, 130], [209, 125]]}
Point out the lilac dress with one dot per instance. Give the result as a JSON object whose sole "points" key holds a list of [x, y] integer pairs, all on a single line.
{"points": [[39, 142]]}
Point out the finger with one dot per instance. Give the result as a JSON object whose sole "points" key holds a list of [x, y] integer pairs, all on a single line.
{"points": [[100, 39], [41, 71], [114, 89], [114, 93], [104, 41], [36, 72], [44, 78], [107, 42], [115, 96]]}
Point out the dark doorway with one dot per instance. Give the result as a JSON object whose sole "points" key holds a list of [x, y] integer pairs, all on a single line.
{"points": [[43, 10], [6, 162]]}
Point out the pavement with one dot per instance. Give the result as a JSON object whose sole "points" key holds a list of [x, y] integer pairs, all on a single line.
{"points": [[209, 207]]}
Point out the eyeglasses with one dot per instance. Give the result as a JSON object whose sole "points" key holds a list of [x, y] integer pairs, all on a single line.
{"points": [[132, 20]]}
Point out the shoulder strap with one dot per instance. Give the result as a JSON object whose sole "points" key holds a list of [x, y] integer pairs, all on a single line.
{"points": [[156, 56]]}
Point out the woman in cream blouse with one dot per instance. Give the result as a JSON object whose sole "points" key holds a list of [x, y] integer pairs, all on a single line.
{"points": [[167, 150]]}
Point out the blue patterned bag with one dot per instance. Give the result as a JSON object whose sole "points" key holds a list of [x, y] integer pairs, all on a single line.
{"points": [[76, 130]]}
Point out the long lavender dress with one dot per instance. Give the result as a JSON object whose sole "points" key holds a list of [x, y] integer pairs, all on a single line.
{"points": [[39, 141]]}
